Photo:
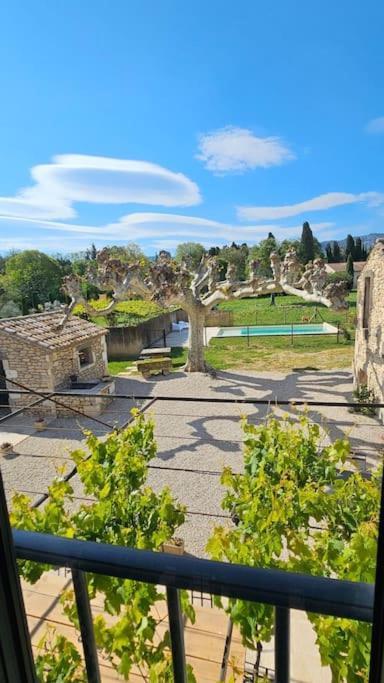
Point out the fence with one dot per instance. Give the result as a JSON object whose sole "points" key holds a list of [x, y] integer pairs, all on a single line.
{"points": [[283, 590]]}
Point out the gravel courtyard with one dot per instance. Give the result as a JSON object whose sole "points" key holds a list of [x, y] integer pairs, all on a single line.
{"points": [[195, 439]]}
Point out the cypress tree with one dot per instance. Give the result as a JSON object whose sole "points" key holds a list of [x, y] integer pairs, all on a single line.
{"points": [[349, 247], [350, 269], [358, 249], [306, 244], [328, 253], [336, 252]]}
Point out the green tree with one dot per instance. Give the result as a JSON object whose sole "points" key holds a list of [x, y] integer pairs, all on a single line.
{"points": [[358, 256], [350, 269], [236, 255], [290, 481], [336, 252], [127, 253], [289, 244], [32, 278], [328, 253], [191, 253], [349, 247], [307, 248], [124, 511], [262, 252]]}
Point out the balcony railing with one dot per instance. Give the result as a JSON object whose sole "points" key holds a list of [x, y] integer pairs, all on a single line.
{"points": [[283, 590]]}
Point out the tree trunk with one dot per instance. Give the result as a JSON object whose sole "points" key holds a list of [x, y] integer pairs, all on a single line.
{"points": [[196, 319]]}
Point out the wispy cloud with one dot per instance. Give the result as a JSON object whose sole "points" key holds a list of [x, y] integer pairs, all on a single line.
{"points": [[75, 178], [151, 230], [232, 149], [375, 126], [329, 200]]}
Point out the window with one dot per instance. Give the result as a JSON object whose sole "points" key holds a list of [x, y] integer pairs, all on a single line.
{"points": [[85, 357], [366, 302]]}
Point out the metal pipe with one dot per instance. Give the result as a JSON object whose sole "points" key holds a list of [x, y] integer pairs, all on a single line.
{"points": [[282, 644], [211, 399], [322, 595], [86, 626], [176, 630]]}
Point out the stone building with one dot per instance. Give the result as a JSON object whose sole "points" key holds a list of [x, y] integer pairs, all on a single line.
{"points": [[369, 344], [342, 268], [39, 354]]}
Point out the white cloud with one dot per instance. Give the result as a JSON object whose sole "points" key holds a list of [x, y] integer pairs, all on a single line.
{"points": [[321, 203], [100, 180], [375, 126], [238, 149], [152, 230]]}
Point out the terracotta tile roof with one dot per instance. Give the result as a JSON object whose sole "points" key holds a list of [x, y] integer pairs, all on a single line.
{"points": [[42, 329]]}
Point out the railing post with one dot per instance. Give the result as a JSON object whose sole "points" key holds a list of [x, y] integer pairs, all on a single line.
{"points": [[176, 629], [86, 626], [282, 644], [376, 666], [227, 647], [247, 335], [16, 659], [291, 333]]}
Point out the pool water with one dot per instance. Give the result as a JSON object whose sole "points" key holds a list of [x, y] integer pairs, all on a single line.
{"points": [[278, 330]]}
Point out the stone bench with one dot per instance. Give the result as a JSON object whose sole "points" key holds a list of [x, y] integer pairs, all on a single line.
{"points": [[154, 366]]}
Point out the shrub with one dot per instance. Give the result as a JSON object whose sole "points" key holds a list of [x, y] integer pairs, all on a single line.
{"points": [[125, 512], [291, 481]]}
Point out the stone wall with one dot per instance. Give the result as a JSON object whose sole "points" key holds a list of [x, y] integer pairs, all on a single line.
{"points": [[369, 343], [129, 341], [65, 362], [29, 365], [90, 404], [46, 371]]}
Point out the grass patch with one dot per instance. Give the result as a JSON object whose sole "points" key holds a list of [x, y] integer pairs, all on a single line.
{"points": [[178, 357], [116, 366], [278, 354], [125, 313], [287, 309]]}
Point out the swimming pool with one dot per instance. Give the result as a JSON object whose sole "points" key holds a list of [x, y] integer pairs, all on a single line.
{"points": [[277, 330]]}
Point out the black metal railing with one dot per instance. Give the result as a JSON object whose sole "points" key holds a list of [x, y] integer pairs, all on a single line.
{"points": [[283, 590]]}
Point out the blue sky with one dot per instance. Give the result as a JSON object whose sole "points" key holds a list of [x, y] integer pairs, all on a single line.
{"points": [[160, 122]]}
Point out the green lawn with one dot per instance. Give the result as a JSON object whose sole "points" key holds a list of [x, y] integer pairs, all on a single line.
{"points": [[266, 354], [274, 353], [278, 353], [178, 355], [287, 309], [126, 313]]}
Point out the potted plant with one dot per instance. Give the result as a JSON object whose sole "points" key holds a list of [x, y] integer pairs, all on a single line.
{"points": [[40, 424], [6, 448], [175, 545]]}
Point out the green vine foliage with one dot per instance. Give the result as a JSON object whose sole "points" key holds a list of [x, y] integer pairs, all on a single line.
{"points": [[125, 512], [297, 508]]}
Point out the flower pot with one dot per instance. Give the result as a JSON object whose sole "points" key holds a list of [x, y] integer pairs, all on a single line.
{"points": [[175, 546], [40, 425], [6, 448]]}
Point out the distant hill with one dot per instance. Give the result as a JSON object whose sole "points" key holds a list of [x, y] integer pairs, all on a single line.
{"points": [[367, 240]]}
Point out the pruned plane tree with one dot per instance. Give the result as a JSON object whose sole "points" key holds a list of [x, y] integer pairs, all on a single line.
{"points": [[172, 284]]}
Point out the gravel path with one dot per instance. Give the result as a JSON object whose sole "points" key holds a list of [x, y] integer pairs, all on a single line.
{"points": [[198, 436]]}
